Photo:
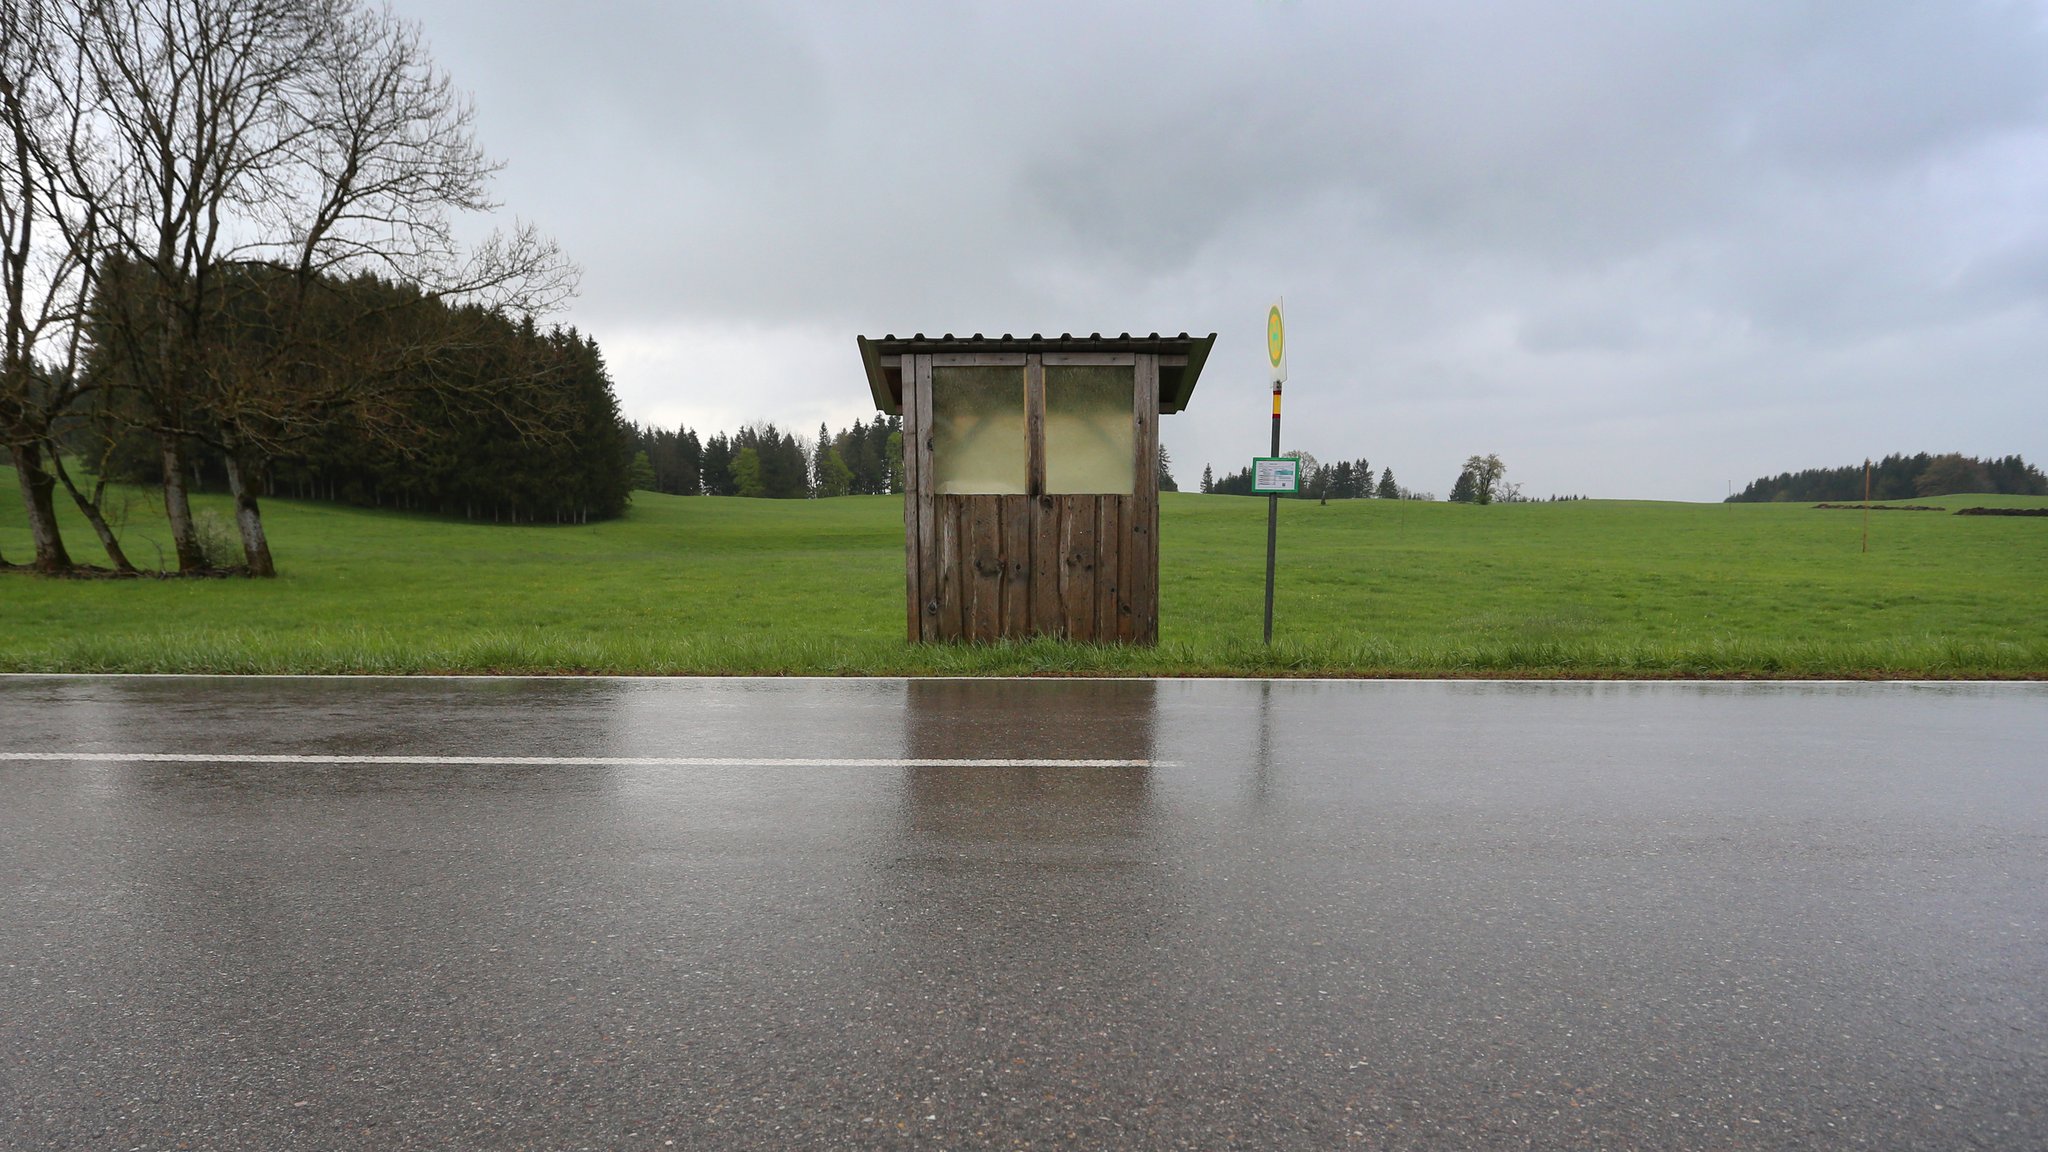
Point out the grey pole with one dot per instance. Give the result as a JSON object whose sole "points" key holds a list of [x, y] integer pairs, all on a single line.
{"points": [[1272, 520]]}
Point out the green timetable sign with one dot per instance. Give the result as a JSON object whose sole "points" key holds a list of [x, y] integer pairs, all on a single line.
{"points": [[1273, 475]]}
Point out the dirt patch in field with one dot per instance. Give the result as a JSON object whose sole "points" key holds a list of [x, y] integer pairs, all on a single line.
{"points": [[1889, 507], [2002, 511]]}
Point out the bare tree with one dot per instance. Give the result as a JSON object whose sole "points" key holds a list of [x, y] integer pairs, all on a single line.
{"points": [[193, 98], [46, 249], [385, 154], [265, 148], [23, 51]]}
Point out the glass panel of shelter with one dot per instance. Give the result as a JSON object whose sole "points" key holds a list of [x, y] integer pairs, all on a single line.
{"points": [[981, 432], [1089, 440], [978, 434]]}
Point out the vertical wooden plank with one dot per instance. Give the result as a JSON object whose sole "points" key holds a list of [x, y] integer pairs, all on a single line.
{"points": [[1127, 565], [927, 501], [1044, 576], [1069, 564], [949, 621], [968, 558], [1046, 615], [984, 612], [1016, 518], [1143, 531], [913, 507], [1108, 547], [1034, 424], [1077, 587], [963, 562]]}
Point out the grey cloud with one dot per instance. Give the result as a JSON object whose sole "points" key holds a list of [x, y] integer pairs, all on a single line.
{"points": [[1549, 210]]}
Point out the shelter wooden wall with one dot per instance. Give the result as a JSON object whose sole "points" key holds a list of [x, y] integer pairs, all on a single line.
{"points": [[987, 567]]}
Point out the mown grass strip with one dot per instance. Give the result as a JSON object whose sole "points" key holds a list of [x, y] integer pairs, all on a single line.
{"points": [[1368, 588], [369, 652]]}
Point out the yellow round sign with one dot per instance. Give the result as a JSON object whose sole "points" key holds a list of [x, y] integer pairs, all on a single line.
{"points": [[1276, 337]]}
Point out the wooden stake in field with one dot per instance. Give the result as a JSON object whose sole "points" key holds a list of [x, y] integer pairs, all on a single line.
{"points": [[1866, 504]]}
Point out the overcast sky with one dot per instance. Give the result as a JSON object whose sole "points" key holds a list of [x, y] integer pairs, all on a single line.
{"points": [[1637, 249]]}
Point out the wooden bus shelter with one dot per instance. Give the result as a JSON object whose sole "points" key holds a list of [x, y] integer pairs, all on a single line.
{"points": [[1031, 479]]}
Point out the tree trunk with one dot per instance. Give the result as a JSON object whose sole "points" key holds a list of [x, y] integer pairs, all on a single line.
{"points": [[249, 519], [38, 492], [91, 510], [178, 508]]}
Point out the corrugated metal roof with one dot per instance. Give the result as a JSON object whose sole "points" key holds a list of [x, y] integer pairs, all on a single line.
{"points": [[1176, 383]]}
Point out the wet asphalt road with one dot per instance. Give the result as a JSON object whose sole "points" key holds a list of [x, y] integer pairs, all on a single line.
{"points": [[1320, 915]]}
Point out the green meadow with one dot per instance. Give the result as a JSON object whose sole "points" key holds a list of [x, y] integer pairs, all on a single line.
{"points": [[1367, 588]]}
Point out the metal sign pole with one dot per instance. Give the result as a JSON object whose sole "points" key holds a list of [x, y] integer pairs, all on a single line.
{"points": [[1276, 357], [1272, 520]]}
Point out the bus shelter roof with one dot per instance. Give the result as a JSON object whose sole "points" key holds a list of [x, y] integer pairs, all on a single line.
{"points": [[1180, 358]]}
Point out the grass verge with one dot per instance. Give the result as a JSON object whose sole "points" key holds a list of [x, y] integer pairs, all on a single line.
{"points": [[707, 586]]}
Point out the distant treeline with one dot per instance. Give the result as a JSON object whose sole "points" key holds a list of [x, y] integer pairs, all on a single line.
{"points": [[471, 414], [765, 461], [762, 460], [1344, 480], [1900, 477], [231, 252]]}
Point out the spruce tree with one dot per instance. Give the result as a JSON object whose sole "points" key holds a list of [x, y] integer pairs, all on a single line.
{"points": [[893, 457], [690, 462], [718, 456]]}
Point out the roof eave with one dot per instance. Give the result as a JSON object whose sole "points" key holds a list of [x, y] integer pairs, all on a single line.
{"points": [[886, 400], [1198, 355]]}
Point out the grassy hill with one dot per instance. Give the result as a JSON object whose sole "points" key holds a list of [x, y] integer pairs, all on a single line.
{"points": [[1592, 588]]}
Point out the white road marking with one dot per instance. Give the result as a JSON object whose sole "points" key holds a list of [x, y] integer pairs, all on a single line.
{"points": [[565, 761]]}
